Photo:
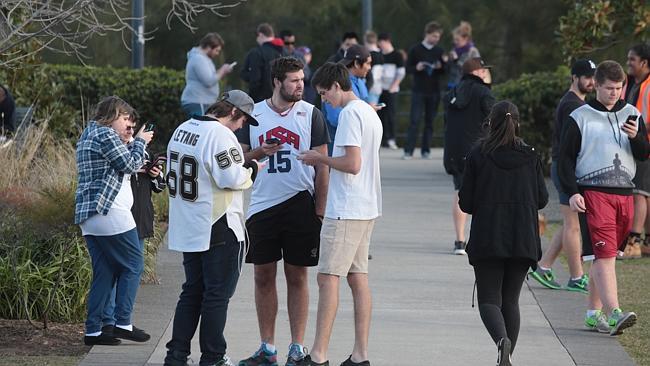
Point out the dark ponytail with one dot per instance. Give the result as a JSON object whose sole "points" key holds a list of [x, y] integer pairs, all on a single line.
{"points": [[502, 127]]}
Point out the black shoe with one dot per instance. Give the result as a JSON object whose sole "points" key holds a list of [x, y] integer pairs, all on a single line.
{"points": [[108, 329], [101, 340], [349, 362], [503, 352], [308, 362], [136, 335], [459, 247]]}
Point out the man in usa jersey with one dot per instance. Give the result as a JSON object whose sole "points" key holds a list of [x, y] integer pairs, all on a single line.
{"points": [[287, 205], [206, 176]]}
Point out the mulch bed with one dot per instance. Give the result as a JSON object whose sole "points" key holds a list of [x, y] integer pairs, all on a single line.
{"points": [[19, 338]]}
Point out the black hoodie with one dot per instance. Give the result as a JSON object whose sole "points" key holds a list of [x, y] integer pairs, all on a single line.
{"points": [[257, 71], [467, 105], [596, 154], [503, 191]]}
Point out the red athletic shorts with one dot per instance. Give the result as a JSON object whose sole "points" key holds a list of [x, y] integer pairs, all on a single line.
{"points": [[609, 219]]}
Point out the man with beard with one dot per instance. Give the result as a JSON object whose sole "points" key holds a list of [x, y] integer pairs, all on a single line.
{"points": [[568, 236], [287, 205]]}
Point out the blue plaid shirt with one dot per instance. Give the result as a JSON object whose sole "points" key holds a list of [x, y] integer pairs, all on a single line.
{"points": [[102, 161]]}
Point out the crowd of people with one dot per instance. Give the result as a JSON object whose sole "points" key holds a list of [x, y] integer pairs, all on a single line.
{"points": [[316, 190]]}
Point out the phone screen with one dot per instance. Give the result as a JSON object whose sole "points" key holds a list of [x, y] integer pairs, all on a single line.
{"points": [[150, 127]]}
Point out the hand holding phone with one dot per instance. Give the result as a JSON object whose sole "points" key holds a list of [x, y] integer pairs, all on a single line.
{"points": [[150, 127], [233, 64], [630, 126], [159, 161], [272, 141]]}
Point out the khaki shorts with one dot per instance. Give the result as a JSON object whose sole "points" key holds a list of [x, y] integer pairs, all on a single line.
{"points": [[344, 246]]}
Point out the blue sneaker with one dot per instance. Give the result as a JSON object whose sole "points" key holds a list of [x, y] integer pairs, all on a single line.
{"points": [[297, 353], [262, 357]]}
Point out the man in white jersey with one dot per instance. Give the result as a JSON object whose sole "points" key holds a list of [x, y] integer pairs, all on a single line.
{"points": [[353, 204], [206, 176], [286, 207]]}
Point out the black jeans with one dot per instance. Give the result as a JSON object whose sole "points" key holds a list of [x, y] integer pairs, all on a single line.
{"points": [[498, 285], [210, 281], [388, 114], [428, 102]]}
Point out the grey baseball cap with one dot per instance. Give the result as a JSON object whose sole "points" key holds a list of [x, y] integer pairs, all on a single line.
{"points": [[241, 101]]}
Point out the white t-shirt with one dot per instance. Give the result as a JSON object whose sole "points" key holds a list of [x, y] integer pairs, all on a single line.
{"points": [[356, 197], [284, 176], [119, 218], [205, 177]]}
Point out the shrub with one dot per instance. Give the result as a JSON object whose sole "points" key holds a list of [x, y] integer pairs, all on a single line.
{"points": [[153, 92], [536, 95]]}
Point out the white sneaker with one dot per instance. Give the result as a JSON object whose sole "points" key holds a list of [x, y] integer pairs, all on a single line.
{"points": [[407, 157], [392, 144]]}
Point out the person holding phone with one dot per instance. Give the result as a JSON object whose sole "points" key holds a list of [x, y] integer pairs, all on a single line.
{"points": [[599, 145], [103, 211], [287, 206], [202, 77]]}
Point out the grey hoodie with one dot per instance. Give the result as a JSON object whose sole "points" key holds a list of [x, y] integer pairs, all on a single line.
{"points": [[201, 80]]}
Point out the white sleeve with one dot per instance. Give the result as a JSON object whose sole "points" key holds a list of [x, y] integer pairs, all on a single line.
{"points": [[225, 163], [348, 132], [377, 71]]}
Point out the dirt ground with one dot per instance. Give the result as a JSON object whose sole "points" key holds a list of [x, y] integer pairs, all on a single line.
{"points": [[19, 338]]}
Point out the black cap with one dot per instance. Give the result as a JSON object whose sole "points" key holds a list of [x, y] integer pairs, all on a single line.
{"points": [[474, 64], [355, 52], [583, 67]]}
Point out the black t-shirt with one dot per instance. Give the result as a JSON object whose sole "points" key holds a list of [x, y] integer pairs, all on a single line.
{"points": [[394, 58], [319, 134], [426, 81], [569, 102]]}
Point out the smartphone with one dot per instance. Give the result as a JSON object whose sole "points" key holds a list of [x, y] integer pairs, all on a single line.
{"points": [[382, 105], [233, 64], [273, 141], [632, 117], [150, 127], [159, 161]]}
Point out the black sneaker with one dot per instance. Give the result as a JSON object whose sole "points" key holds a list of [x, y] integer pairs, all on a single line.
{"points": [[136, 335], [349, 362], [459, 247], [503, 352], [308, 362], [101, 340]]}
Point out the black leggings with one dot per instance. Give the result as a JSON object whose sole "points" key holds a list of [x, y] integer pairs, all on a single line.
{"points": [[498, 284]]}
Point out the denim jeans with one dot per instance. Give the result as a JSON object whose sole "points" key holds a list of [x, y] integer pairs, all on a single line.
{"points": [[194, 109], [428, 102], [210, 281], [108, 316], [117, 260]]}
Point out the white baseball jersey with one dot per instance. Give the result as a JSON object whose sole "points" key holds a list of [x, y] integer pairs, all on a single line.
{"points": [[205, 176], [284, 176]]}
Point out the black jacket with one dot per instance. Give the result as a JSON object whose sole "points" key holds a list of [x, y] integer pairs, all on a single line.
{"points": [[142, 184], [257, 71], [503, 191], [467, 105]]}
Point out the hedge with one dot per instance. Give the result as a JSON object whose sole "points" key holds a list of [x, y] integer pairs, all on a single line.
{"points": [[536, 95]]}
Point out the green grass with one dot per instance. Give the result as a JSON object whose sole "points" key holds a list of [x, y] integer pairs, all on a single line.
{"points": [[40, 360], [634, 295]]}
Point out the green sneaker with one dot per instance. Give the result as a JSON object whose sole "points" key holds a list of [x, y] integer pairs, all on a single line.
{"points": [[597, 322], [546, 278], [619, 321], [579, 285]]}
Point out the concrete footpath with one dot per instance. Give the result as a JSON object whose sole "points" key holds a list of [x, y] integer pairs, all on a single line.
{"points": [[422, 313]]}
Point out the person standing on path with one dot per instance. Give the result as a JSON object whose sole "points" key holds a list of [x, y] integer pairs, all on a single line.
{"points": [[206, 176], [637, 93], [567, 237], [393, 73], [201, 76], [467, 105], [287, 206], [600, 142], [503, 188], [426, 62], [257, 67], [353, 204]]}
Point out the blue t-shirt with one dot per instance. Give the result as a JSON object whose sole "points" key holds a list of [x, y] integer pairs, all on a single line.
{"points": [[359, 89]]}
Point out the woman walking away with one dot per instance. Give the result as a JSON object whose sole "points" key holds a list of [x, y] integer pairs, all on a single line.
{"points": [[503, 187], [103, 210]]}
